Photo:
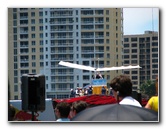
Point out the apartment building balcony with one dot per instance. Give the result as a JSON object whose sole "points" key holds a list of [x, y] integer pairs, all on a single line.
{"points": [[23, 46], [87, 36], [62, 37], [62, 80], [65, 30], [60, 58], [99, 22], [99, 36], [23, 32], [23, 24], [61, 15], [87, 22], [23, 17], [59, 90], [24, 60], [87, 51], [61, 22], [23, 9], [62, 44]]}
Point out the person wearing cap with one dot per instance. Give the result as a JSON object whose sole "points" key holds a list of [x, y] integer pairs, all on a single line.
{"points": [[122, 90]]}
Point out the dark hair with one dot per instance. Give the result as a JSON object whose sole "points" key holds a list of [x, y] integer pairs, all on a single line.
{"points": [[64, 109], [11, 113], [123, 84], [79, 106]]}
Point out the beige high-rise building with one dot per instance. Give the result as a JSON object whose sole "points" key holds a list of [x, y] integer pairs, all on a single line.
{"points": [[143, 50], [39, 38]]}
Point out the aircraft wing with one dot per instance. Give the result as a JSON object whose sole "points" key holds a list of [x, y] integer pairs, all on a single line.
{"points": [[117, 68], [72, 65]]}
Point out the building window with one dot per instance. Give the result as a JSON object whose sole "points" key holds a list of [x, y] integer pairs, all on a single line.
{"points": [[134, 72], [133, 56], [15, 30], [126, 45], [108, 55], [15, 88], [107, 41], [33, 43], [41, 49], [107, 26], [32, 21], [41, 14], [107, 48], [126, 72], [33, 71], [15, 97], [41, 42], [15, 80], [126, 39], [33, 57], [134, 39], [126, 56], [107, 34], [32, 14], [107, 12], [40, 21], [33, 35], [126, 51], [134, 78], [41, 35], [41, 64], [134, 45], [134, 61], [14, 23], [134, 50], [33, 64], [15, 73], [33, 28], [107, 19], [33, 50]]}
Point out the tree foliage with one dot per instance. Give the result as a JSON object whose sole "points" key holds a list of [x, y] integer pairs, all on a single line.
{"points": [[148, 88]]}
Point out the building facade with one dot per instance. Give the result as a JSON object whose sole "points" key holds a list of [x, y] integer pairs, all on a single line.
{"points": [[142, 49], [39, 38]]}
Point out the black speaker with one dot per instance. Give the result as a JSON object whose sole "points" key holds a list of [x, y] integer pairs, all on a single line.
{"points": [[33, 92]]}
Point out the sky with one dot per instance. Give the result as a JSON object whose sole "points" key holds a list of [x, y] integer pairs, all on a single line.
{"points": [[137, 20]]}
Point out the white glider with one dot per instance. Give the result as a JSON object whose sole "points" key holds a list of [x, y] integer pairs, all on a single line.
{"points": [[72, 65]]}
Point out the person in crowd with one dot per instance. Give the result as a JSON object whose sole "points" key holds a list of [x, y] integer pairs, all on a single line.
{"points": [[72, 93], [122, 90], [11, 113], [77, 107], [111, 92], [103, 90], [85, 91], [99, 76], [153, 101], [77, 91], [90, 91], [81, 92], [62, 111]]}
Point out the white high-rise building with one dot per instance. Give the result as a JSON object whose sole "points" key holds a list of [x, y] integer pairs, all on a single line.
{"points": [[39, 38]]}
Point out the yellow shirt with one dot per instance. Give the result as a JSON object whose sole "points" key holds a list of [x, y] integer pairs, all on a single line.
{"points": [[153, 102]]}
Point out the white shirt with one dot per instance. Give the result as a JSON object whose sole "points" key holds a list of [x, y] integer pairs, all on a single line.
{"points": [[130, 101]]}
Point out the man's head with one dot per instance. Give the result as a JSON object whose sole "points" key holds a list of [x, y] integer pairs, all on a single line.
{"points": [[123, 85], [62, 110], [77, 107]]}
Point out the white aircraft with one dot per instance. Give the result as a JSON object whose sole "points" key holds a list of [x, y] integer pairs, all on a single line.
{"points": [[78, 66]]}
